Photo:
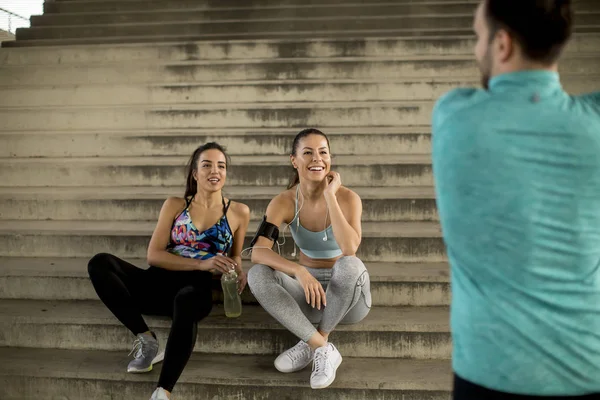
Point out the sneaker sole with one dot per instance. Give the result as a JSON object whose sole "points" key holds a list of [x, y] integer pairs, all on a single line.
{"points": [[159, 357], [330, 380], [288, 371]]}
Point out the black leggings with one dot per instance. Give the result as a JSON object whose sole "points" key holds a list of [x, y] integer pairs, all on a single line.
{"points": [[129, 292], [465, 390]]}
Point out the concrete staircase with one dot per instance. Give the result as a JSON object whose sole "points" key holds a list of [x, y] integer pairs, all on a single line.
{"points": [[4, 36], [124, 21], [95, 136]]}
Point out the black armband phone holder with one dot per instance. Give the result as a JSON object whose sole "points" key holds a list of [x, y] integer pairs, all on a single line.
{"points": [[266, 229]]}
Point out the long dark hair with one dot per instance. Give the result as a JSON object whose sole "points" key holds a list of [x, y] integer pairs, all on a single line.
{"points": [[295, 179], [191, 186]]}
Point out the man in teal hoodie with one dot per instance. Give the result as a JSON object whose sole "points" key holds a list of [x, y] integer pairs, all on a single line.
{"points": [[517, 175]]}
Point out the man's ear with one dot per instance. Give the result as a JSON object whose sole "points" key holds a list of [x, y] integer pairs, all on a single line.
{"points": [[504, 45]]}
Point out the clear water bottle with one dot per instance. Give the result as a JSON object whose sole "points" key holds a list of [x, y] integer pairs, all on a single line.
{"points": [[233, 301]]}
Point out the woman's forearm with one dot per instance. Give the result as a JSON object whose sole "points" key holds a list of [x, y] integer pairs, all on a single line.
{"points": [[172, 262], [274, 260], [345, 235]]}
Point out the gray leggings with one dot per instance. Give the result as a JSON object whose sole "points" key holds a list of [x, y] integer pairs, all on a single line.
{"points": [[346, 285]]}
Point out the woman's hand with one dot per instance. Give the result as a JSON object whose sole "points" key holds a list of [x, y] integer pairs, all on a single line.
{"points": [[334, 181], [313, 290], [217, 263], [241, 281]]}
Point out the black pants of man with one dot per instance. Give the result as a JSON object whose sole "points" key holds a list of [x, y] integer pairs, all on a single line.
{"points": [[465, 390]]}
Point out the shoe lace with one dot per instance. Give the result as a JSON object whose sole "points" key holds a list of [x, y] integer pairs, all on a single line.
{"points": [[298, 351], [138, 347], [320, 362]]}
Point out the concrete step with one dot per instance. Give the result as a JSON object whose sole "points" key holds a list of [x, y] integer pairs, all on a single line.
{"points": [[341, 69], [391, 170], [144, 203], [259, 28], [98, 375], [250, 50], [234, 4], [257, 49], [381, 241], [287, 3], [152, 38], [190, 11], [285, 24], [240, 115], [392, 284], [183, 40], [226, 93], [387, 332], [134, 5], [6, 36], [406, 14], [265, 141]]}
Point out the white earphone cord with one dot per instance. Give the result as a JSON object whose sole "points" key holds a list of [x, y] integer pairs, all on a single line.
{"points": [[296, 216]]}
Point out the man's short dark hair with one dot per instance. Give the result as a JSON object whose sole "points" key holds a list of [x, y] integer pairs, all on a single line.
{"points": [[542, 27]]}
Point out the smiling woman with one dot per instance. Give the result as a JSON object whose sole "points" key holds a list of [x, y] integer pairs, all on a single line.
{"points": [[195, 237], [329, 284]]}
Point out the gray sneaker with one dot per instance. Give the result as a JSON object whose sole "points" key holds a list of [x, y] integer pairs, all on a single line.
{"points": [[145, 353]]}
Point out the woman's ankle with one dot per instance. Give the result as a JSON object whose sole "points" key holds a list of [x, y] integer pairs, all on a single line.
{"points": [[324, 334], [317, 340]]}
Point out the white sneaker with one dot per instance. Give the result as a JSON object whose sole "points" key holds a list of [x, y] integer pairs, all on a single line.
{"points": [[295, 358], [159, 394], [327, 360]]}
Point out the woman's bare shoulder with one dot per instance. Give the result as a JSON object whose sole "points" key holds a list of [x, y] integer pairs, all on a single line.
{"points": [[174, 203], [284, 199], [240, 209], [347, 195], [282, 206]]}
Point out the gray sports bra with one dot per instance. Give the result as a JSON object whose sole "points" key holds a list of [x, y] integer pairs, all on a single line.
{"points": [[316, 245]]}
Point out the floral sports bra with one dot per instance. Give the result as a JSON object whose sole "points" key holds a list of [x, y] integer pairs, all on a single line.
{"points": [[188, 241]]}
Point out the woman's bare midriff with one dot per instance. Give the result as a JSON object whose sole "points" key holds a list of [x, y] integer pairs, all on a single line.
{"points": [[316, 263]]}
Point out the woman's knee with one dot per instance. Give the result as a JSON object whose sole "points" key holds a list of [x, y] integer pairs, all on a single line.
{"points": [[348, 268], [191, 302], [258, 275], [357, 314], [100, 263]]}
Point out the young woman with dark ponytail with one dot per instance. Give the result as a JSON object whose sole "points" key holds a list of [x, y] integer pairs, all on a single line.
{"points": [[196, 236], [328, 284]]}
